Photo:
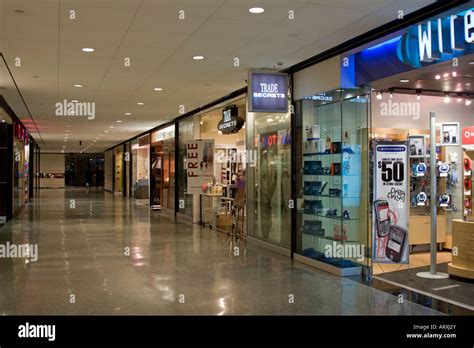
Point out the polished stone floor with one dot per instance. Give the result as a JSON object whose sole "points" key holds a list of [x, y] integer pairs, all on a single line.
{"points": [[173, 267]]}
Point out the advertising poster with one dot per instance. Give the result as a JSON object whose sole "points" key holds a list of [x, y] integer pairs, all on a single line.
{"points": [[390, 208], [199, 164]]}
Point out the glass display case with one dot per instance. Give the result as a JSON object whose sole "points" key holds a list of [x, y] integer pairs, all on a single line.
{"points": [[332, 178]]}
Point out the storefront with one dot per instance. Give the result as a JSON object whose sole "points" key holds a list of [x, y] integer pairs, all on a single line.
{"points": [[162, 179], [269, 150], [16, 148], [223, 192], [401, 121], [20, 167], [140, 159], [119, 171]]}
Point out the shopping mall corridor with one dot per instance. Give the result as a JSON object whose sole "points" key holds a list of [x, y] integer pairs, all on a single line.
{"points": [[173, 267]]}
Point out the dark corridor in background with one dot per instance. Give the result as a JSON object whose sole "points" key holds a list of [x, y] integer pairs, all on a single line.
{"points": [[84, 168]]}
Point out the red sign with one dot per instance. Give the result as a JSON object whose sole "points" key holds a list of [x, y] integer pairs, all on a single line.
{"points": [[468, 136]]}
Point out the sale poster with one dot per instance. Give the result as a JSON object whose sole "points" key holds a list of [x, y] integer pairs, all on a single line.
{"points": [[390, 206], [199, 164]]}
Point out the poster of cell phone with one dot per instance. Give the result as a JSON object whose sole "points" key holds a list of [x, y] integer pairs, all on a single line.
{"points": [[390, 209], [199, 164]]}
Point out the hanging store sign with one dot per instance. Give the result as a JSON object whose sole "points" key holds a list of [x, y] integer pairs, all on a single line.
{"points": [[438, 40], [199, 164], [390, 207], [268, 92], [231, 122]]}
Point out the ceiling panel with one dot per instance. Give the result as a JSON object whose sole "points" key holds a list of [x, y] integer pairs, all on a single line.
{"points": [[160, 47]]}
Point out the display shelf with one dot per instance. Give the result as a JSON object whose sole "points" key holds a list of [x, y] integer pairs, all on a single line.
{"points": [[329, 196], [330, 238], [337, 217], [323, 175]]}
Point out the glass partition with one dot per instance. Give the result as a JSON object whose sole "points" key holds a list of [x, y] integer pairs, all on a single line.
{"points": [[332, 178], [269, 188]]}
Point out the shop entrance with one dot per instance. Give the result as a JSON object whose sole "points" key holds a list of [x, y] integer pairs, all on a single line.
{"points": [[162, 180], [223, 199], [401, 107]]}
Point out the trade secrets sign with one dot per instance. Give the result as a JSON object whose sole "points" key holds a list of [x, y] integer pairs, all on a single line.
{"points": [[268, 92]]}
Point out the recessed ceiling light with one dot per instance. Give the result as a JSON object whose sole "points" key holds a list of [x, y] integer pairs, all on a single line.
{"points": [[106, 131], [198, 57], [119, 121], [437, 77], [446, 98], [471, 62], [78, 86], [95, 141], [140, 103], [112, 127], [445, 75], [158, 89], [404, 80], [256, 10], [128, 113], [97, 138], [87, 49]]}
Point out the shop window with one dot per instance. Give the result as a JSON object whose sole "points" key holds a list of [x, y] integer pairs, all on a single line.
{"points": [[269, 181], [332, 179]]}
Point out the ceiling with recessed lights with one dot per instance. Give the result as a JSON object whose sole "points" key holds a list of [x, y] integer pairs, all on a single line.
{"points": [[137, 61], [437, 79]]}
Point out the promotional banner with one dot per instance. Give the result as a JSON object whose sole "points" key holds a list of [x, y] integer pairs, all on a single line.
{"points": [[390, 208], [199, 164]]}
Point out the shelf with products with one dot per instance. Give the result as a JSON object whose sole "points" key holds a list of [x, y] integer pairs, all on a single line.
{"points": [[332, 148], [334, 217]]}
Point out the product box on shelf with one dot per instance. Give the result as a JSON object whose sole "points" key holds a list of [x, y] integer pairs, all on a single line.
{"points": [[311, 167], [313, 207]]}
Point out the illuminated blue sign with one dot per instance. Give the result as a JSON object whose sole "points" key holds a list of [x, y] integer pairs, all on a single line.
{"points": [[437, 40]]}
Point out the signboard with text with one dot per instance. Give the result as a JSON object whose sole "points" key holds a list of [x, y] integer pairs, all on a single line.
{"points": [[390, 210], [199, 164], [268, 92]]}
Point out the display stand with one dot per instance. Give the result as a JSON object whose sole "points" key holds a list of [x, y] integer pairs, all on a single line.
{"points": [[211, 205], [432, 274]]}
